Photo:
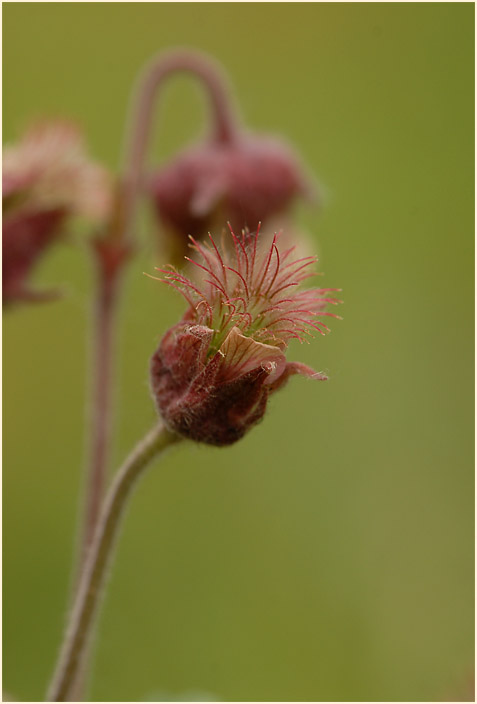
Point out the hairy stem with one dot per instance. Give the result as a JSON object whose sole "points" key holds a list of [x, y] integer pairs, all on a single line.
{"points": [[92, 579]]}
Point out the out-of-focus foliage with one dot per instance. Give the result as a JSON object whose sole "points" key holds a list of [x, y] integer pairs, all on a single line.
{"points": [[329, 555]]}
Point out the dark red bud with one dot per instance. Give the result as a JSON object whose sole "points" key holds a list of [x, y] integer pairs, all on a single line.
{"points": [[195, 398], [243, 181]]}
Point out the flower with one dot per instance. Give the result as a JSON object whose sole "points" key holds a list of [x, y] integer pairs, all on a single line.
{"points": [[214, 371], [243, 179], [47, 177]]}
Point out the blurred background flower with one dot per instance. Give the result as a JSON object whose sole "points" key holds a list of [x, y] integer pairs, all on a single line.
{"points": [[47, 179], [49, 168], [245, 180]]}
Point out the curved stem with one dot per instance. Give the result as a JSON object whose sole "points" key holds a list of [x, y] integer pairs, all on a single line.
{"points": [[81, 619], [141, 120]]}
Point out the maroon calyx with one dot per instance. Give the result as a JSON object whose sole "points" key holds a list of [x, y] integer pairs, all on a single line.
{"points": [[26, 236]]}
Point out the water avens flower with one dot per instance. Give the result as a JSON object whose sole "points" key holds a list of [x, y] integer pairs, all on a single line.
{"points": [[47, 177], [214, 371]]}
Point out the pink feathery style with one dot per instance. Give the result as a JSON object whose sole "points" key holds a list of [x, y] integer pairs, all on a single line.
{"points": [[214, 371]]}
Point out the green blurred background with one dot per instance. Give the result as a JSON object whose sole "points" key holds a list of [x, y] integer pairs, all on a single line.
{"points": [[329, 555]]}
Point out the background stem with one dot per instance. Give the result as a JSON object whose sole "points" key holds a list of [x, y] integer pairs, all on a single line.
{"points": [[100, 433], [92, 579]]}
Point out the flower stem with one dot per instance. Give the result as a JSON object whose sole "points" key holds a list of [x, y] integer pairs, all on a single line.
{"points": [[92, 579], [160, 67], [112, 252], [103, 339]]}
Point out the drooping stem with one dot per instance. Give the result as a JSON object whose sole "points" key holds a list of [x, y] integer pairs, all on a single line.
{"points": [[92, 579], [224, 115]]}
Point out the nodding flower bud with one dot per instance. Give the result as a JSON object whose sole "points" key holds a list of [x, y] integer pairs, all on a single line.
{"points": [[243, 180], [213, 372], [47, 177]]}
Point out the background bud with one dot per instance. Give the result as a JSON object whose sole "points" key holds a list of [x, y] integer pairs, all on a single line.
{"points": [[243, 180]]}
